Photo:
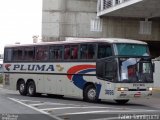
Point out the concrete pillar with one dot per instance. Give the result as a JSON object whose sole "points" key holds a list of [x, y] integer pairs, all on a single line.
{"points": [[68, 18]]}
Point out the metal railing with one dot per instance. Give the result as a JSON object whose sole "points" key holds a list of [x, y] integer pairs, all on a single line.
{"points": [[105, 4]]}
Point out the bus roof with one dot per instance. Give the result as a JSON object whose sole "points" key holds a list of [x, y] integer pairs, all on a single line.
{"points": [[83, 40]]}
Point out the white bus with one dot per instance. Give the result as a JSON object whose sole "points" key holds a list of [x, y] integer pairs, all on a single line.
{"points": [[92, 69]]}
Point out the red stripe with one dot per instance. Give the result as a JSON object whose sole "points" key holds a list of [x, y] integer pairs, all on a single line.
{"points": [[77, 68]]}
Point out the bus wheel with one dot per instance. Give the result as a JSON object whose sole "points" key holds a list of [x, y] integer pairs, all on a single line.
{"points": [[90, 94], [22, 88], [121, 101], [31, 89]]}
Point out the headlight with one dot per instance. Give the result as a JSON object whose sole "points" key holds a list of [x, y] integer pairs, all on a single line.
{"points": [[123, 89], [150, 88]]}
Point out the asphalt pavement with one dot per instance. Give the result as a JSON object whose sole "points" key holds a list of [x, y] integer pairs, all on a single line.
{"points": [[15, 106]]}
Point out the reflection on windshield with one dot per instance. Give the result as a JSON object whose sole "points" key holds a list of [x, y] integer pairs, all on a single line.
{"points": [[135, 70]]}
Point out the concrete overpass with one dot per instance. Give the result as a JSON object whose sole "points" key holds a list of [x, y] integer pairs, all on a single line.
{"points": [[129, 8], [133, 19], [147, 12]]}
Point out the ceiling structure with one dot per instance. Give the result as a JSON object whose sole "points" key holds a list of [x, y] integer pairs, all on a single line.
{"points": [[132, 8]]}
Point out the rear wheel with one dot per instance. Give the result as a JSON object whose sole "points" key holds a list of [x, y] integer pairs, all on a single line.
{"points": [[22, 88], [121, 101], [31, 89], [90, 94]]}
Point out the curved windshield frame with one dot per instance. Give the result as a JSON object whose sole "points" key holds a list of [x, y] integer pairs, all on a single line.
{"points": [[130, 49]]}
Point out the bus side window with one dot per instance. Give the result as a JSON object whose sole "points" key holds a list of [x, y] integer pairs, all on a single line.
{"points": [[17, 54], [104, 51], [29, 53], [8, 54], [42, 53], [67, 52], [91, 51], [74, 52], [55, 52], [87, 51], [83, 52]]}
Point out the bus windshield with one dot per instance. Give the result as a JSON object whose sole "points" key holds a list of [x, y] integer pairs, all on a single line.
{"points": [[133, 70], [127, 49]]}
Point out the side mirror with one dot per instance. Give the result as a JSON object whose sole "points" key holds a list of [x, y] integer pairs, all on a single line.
{"points": [[100, 68], [106, 69], [110, 70]]}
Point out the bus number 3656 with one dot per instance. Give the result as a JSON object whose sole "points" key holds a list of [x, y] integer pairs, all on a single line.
{"points": [[109, 92]]}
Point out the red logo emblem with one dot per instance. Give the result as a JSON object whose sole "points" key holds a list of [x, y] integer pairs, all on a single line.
{"points": [[7, 66]]}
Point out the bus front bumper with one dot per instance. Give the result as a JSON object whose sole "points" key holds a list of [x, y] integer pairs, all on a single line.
{"points": [[133, 94]]}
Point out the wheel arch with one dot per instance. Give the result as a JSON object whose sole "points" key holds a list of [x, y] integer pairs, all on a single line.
{"points": [[29, 80]]}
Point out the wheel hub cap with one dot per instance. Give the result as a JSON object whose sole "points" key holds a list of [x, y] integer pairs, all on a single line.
{"points": [[31, 89], [22, 87], [92, 94]]}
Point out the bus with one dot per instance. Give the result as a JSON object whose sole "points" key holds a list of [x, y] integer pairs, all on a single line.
{"points": [[88, 68]]}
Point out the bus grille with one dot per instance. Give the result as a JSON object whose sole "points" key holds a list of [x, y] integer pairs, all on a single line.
{"points": [[137, 89]]}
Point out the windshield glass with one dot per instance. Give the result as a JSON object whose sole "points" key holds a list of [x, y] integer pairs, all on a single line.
{"points": [[131, 49], [134, 70]]}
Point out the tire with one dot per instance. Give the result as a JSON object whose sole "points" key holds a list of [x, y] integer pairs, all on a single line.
{"points": [[122, 101], [90, 94], [22, 88], [31, 89]]}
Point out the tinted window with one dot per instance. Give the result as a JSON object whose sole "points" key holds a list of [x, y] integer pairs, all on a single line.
{"points": [[17, 54], [56, 52], [42, 53], [8, 54], [29, 53], [88, 51], [74, 52], [106, 69], [71, 51], [104, 51], [67, 52], [110, 70]]}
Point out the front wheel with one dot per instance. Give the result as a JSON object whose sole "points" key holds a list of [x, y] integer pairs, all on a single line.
{"points": [[121, 101], [22, 88], [31, 89], [90, 94]]}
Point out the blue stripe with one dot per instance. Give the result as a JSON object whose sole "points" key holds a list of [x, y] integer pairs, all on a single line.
{"points": [[80, 82]]}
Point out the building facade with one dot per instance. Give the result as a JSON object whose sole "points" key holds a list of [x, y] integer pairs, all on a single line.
{"points": [[102, 18]]}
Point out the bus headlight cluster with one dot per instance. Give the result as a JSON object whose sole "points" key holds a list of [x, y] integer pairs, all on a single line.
{"points": [[123, 89], [150, 89]]}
